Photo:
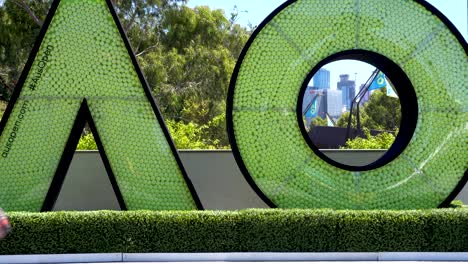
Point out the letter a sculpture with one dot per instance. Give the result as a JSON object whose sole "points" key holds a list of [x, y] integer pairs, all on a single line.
{"points": [[83, 69]]}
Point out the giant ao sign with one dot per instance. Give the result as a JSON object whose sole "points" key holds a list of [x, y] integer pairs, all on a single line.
{"points": [[82, 69]]}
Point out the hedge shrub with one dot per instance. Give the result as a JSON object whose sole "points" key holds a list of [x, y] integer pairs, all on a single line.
{"points": [[238, 231]]}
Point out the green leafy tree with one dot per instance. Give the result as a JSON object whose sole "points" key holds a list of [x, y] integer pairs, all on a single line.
{"points": [[317, 121], [381, 112], [384, 111], [20, 23], [3, 106], [188, 135], [87, 142], [187, 55], [381, 141], [366, 122], [192, 69]]}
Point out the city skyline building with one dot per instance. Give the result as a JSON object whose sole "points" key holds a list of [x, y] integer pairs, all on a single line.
{"points": [[334, 103], [321, 79], [348, 90], [326, 101]]}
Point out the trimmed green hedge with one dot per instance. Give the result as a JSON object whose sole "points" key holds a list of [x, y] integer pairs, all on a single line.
{"points": [[238, 231]]}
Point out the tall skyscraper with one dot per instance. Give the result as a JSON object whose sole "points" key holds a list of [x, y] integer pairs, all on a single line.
{"points": [[348, 90], [322, 79], [334, 103]]}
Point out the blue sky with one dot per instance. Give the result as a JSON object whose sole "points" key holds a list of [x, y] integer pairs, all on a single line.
{"points": [[257, 10]]}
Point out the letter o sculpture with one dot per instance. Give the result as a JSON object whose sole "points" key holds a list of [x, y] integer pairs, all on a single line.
{"points": [[419, 50]]}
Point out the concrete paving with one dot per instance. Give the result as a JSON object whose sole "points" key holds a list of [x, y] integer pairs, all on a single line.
{"points": [[313, 262], [265, 257], [324, 262]]}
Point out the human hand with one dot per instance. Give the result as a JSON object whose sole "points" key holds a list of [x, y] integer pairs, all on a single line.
{"points": [[4, 225]]}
